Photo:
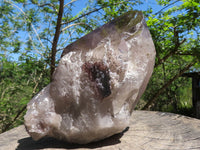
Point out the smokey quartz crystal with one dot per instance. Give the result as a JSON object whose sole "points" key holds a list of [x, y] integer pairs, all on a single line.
{"points": [[97, 84]]}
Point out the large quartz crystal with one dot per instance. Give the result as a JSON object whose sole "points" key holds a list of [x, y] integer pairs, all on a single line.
{"points": [[97, 83]]}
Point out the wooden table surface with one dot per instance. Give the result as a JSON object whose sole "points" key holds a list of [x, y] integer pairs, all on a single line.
{"points": [[148, 131]]}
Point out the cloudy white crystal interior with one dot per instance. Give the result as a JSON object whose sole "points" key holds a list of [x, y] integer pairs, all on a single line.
{"points": [[94, 91]]}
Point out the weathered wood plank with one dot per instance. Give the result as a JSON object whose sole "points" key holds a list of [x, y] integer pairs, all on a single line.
{"points": [[148, 131]]}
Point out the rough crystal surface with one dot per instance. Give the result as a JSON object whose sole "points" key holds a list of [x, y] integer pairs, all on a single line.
{"points": [[97, 83]]}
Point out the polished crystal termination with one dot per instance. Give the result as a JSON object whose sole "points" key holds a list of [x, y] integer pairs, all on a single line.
{"points": [[97, 83]]}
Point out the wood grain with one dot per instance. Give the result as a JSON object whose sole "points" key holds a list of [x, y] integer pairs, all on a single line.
{"points": [[147, 131]]}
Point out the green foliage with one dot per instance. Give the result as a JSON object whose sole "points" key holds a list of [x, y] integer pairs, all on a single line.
{"points": [[18, 83], [175, 32]]}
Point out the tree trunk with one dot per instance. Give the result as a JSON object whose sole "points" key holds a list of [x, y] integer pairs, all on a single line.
{"points": [[56, 37]]}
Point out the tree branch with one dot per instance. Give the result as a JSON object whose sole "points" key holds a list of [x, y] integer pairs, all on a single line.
{"points": [[172, 52], [26, 20], [86, 14], [75, 24], [166, 7], [161, 90], [97, 9], [45, 4], [56, 37], [186, 54], [70, 2]]}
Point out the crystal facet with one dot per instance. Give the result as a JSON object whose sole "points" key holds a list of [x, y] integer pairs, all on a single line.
{"points": [[97, 83]]}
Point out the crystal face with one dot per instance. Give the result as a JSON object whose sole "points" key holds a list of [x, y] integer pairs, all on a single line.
{"points": [[97, 84]]}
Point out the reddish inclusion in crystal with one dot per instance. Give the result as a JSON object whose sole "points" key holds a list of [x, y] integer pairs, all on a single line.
{"points": [[99, 73]]}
